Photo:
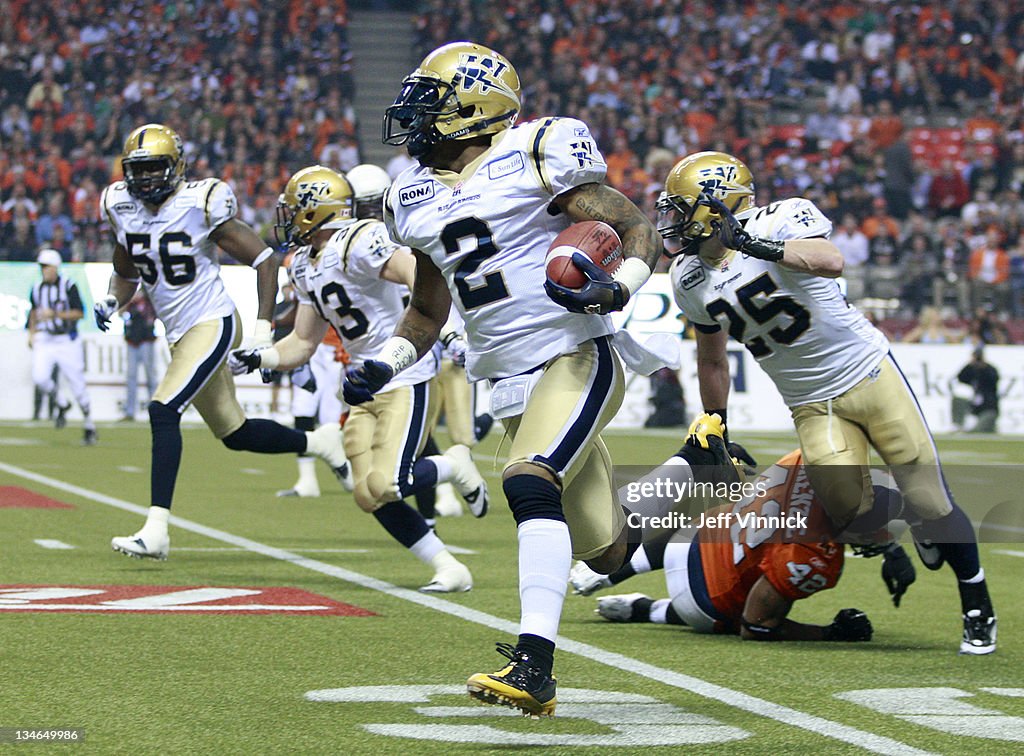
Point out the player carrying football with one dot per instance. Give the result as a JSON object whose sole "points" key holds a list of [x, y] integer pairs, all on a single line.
{"points": [[167, 232], [348, 274], [479, 211], [763, 276]]}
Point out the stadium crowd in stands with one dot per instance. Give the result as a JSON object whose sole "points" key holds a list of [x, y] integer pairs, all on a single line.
{"points": [[254, 89], [904, 123]]}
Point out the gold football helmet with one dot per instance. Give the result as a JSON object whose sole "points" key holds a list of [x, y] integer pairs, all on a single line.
{"points": [[314, 199], [459, 91], [683, 220], [153, 161]]}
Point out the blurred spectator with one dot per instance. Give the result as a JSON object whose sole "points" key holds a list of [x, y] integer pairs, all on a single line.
{"points": [[989, 272], [880, 221], [54, 218], [983, 378], [948, 192], [842, 95], [18, 240], [952, 278], [1017, 281], [899, 178], [984, 328], [886, 127], [931, 330]]}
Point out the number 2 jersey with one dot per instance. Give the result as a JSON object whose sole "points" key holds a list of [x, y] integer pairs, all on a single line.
{"points": [[739, 549], [798, 326], [344, 286], [488, 230], [172, 249]]}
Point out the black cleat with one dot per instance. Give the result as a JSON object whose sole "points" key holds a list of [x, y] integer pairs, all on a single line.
{"points": [[979, 633], [521, 684], [90, 438], [61, 419]]}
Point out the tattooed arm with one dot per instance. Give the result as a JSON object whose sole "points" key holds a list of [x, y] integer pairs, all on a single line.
{"points": [[428, 309], [599, 202]]}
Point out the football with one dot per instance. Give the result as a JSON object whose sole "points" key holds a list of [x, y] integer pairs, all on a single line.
{"points": [[595, 239]]}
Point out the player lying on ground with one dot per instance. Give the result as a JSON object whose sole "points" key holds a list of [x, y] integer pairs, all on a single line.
{"points": [[736, 573]]}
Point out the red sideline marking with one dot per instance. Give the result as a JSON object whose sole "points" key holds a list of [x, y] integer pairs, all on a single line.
{"points": [[158, 599], [14, 496]]}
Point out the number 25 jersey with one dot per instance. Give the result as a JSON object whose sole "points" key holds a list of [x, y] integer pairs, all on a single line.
{"points": [[172, 249], [488, 230], [799, 327]]}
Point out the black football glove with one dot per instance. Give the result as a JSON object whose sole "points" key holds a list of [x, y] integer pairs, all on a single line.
{"points": [[242, 361], [736, 451], [849, 625], [363, 382], [897, 571], [734, 236], [598, 296]]}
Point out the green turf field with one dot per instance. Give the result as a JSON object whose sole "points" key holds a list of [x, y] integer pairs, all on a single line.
{"points": [[217, 682]]}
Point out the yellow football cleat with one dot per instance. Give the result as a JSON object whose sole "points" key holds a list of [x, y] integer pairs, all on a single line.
{"points": [[521, 684]]}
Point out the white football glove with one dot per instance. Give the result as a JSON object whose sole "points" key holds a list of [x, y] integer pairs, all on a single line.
{"points": [[455, 349], [242, 361], [104, 310]]}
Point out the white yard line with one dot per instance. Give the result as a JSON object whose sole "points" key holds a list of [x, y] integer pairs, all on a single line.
{"points": [[737, 699], [50, 543]]}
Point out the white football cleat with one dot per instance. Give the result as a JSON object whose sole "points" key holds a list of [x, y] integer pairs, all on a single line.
{"points": [[585, 581], [302, 489], [143, 545], [325, 443], [447, 504], [467, 479], [619, 608], [452, 578]]}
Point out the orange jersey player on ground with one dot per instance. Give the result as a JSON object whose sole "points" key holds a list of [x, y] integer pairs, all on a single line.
{"points": [[745, 565]]}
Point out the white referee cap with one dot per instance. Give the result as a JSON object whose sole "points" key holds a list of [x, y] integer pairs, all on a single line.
{"points": [[49, 257]]}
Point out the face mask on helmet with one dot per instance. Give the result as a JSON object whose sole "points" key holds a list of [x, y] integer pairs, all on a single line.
{"points": [[676, 225], [459, 91], [315, 199], [149, 180]]}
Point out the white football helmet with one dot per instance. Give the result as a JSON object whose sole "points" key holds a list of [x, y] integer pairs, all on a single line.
{"points": [[369, 183]]}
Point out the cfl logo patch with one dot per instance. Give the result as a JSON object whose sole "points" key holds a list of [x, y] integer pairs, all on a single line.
{"points": [[311, 192], [584, 152], [481, 72]]}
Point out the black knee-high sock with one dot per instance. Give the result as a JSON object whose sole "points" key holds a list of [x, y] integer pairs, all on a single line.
{"points": [[426, 496], [953, 536], [165, 425], [266, 437], [304, 424], [402, 522], [655, 553]]}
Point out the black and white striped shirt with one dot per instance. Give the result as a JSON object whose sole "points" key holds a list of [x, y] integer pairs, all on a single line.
{"points": [[59, 296]]}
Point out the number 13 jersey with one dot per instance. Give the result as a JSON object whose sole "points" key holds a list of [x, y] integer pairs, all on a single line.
{"points": [[799, 327], [172, 249], [488, 230]]}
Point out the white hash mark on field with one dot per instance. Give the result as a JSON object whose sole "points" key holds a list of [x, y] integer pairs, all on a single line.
{"points": [[50, 543], [737, 699]]}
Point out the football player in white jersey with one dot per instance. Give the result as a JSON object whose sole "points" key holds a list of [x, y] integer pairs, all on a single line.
{"points": [[167, 233], [763, 275], [480, 210], [348, 274]]}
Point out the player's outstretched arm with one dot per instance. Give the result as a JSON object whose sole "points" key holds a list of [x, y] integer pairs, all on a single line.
{"points": [[713, 371], [764, 619], [428, 309], [818, 256], [123, 283], [241, 242]]}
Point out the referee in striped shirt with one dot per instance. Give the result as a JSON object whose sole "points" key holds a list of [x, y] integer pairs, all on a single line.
{"points": [[53, 337]]}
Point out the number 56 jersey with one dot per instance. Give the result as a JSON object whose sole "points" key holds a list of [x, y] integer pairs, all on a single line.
{"points": [[488, 230], [172, 249], [344, 286], [799, 327]]}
